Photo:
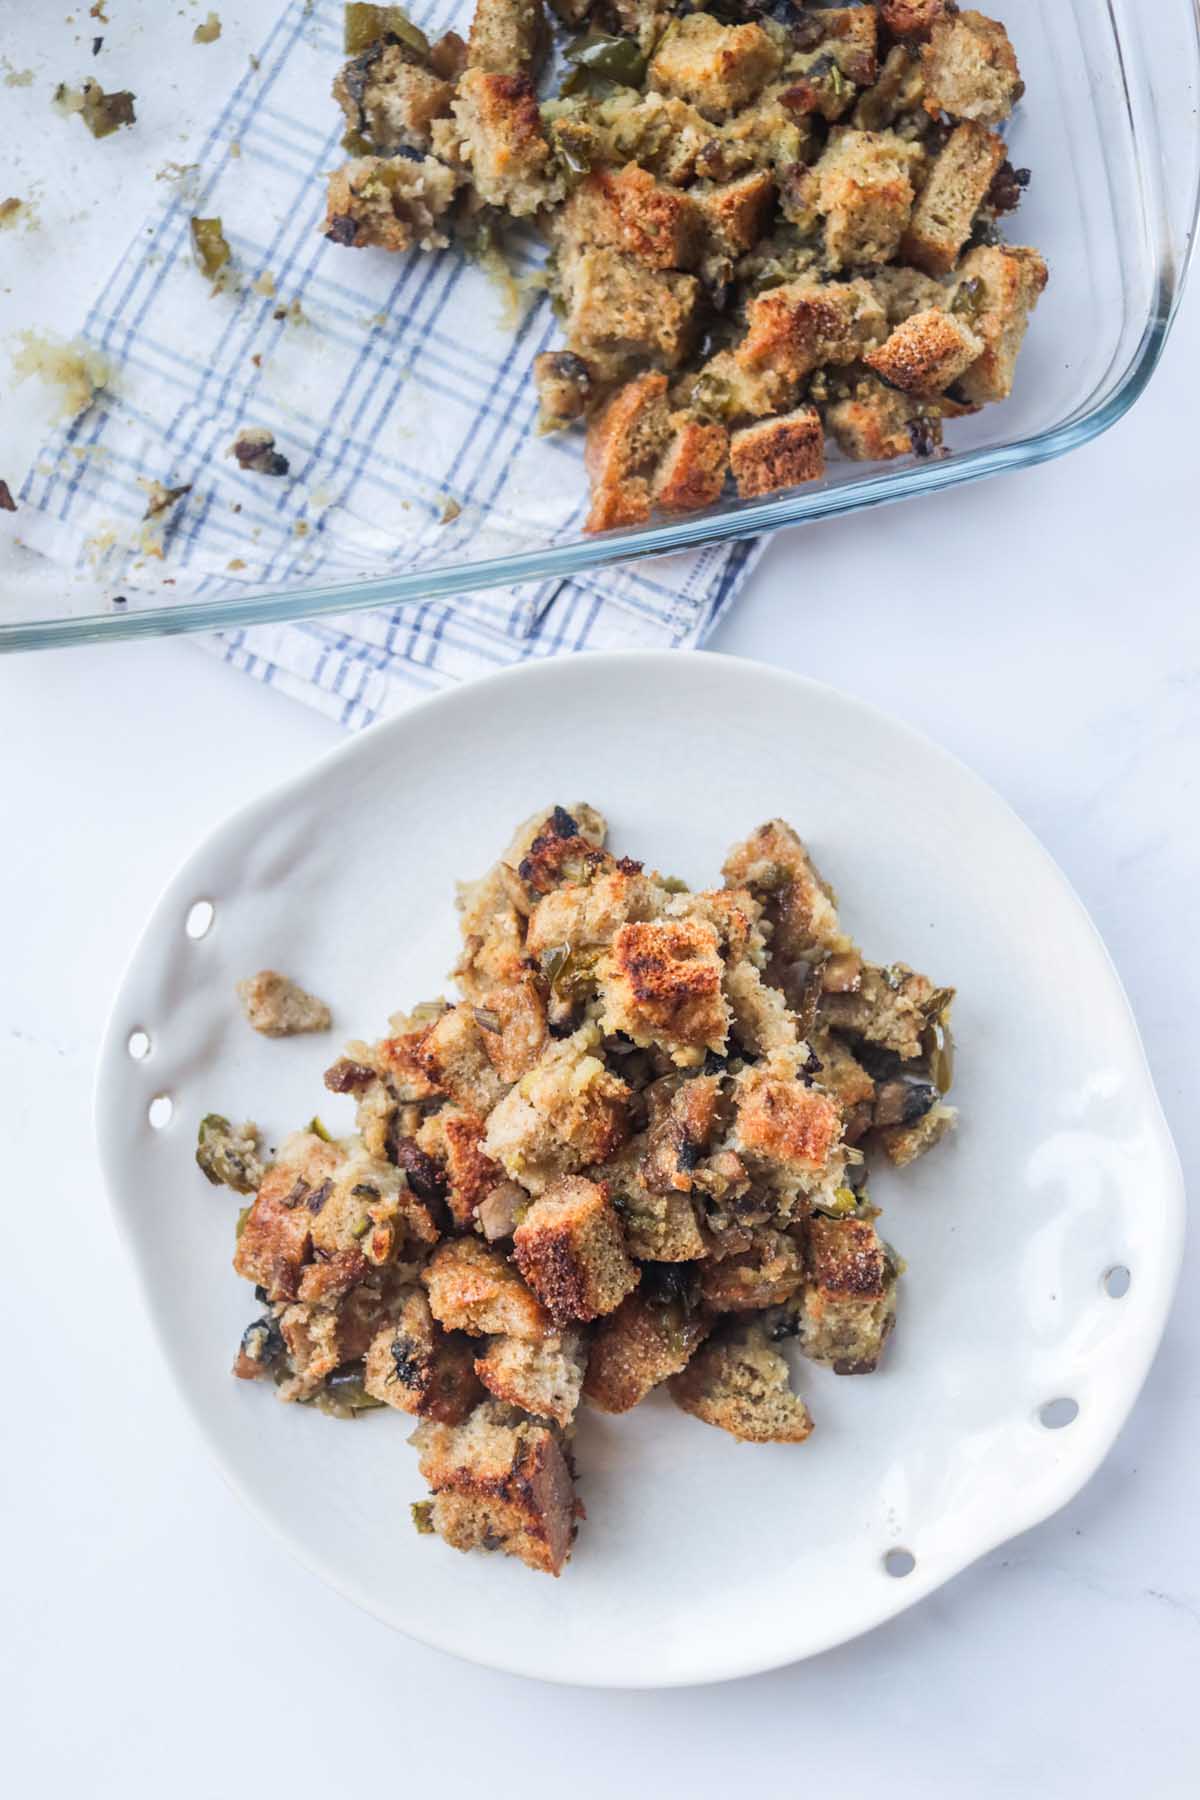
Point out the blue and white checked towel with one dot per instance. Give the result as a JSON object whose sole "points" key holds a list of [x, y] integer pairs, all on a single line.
{"points": [[393, 385]]}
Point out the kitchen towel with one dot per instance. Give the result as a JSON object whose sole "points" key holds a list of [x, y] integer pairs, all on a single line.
{"points": [[399, 390]]}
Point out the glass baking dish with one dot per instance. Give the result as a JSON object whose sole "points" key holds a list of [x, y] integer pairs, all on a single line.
{"points": [[1108, 127]]}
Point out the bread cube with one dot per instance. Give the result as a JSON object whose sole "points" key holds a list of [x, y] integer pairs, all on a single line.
{"points": [[794, 329], [571, 1250], [1010, 280], [661, 984], [715, 68], [864, 191], [454, 1057], [389, 203], [782, 1128], [734, 213], [850, 1301], [778, 453], [542, 1376], [416, 1367], [628, 210], [737, 1382], [958, 183], [927, 353], [913, 18], [876, 424], [508, 37], [970, 69], [501, 138], [390, 100], [693, 467], [565, 1114], [774, 864], [621, 313], [499, 1482], [635, 1348], [892, 1007], [473, 1287]]}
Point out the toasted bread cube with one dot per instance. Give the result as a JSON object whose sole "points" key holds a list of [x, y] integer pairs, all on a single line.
{"points": [[584, 916], [1010, 281], [928, 352], [415, 1366], [473, 1287], [501, 137], [852, 36], [971, 70], [958, 183], [277, 1007], [508, 37], [794, 329], [891, 1007], [715, 68], [865, 193], [499, 1481], [778, 453], [543, 1377], [628, 210], [571, 1250], [734, 213], [307, 1203], [620, 313], [390, 99], [902, 1144], [850, 1300], [565, 1114], [661, 984], [876, 424], [635, 1348], [389, 203], [762, 1020], [462, 1175], [774, 864], [912, 18], [737, 1382], [766, 1274], [454, 1057], [624, 443], [693, 468], [783, 1128]]}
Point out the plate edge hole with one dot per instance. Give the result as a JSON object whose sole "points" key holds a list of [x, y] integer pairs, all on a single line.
{"points": [[160, 1111], [138, 1044], [1117, 1281], [899, 1563], [1055, 1415], [199, 921]]}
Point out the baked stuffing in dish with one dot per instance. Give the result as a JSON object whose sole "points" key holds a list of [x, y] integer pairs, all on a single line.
{"points": [[769, 224], [634, 1153]]}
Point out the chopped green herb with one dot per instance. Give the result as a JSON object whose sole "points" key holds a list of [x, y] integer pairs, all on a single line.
{"points": [[366, 25], [422, 1516], [211, 250]]}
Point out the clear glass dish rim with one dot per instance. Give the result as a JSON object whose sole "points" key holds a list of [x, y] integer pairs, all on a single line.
{"points": [[739, 520]]}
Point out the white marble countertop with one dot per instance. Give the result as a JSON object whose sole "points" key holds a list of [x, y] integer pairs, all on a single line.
{"points": [[1044, 627]]}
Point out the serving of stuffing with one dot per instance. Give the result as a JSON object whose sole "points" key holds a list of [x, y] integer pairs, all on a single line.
{"points": [[633, 1154], [770, 225]]}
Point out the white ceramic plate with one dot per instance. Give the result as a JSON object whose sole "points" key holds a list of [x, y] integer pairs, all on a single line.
{"points": [[700, 1559]]}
